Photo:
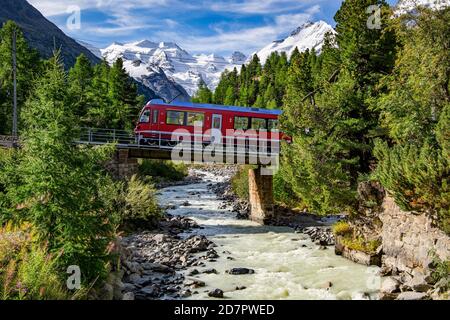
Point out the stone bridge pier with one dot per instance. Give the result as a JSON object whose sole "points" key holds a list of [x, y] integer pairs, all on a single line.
{"points": [[122, 166], [260, 196]]}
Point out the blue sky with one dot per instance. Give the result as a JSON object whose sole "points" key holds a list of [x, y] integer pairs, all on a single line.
{"points": [[199, 26]]}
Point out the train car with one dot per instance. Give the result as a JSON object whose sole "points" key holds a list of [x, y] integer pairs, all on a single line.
{"points": [[167, 124]]}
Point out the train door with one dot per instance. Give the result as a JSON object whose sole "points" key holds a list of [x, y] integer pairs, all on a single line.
{"points": [[155, 119], [216, 129]]}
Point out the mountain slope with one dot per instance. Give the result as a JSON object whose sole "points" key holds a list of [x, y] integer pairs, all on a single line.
{"points": [[41, 33], [404, 6], [166, 61], [308, 36]]}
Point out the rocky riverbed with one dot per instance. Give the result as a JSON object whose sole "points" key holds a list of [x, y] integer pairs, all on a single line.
{"points": [[203, 251]]}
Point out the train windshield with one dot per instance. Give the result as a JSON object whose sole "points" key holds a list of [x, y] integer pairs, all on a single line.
{"points": [[145, 117]]}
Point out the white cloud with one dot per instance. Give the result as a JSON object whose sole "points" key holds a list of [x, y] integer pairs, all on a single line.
{"points": [[241, 39], [52, 8], [260, 6]]}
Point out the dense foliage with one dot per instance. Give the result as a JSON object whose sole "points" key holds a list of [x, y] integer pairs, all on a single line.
{"points": [[372, 105], [414, 162], [61, 192]]}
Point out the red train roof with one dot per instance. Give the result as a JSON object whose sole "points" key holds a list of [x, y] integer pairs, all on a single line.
{"points": [[215, 107]]}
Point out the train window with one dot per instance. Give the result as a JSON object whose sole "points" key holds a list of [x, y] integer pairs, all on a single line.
{"points": [[145, 117], [194, 117], [259, 124], [241, 123], [175, 117], [155, 116], [273, 125]]}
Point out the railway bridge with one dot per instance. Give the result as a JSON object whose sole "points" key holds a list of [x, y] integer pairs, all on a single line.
{"points": [[129, 149]]}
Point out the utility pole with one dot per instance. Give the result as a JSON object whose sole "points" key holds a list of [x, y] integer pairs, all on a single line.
{"points": [[14, 58]]}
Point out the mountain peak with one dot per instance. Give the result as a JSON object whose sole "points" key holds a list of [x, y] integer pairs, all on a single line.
{"points": [[300, 28], [309, 35], [409, 6], [238, 58], [145, 44]]}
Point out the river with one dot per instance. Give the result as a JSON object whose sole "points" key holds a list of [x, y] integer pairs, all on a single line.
{"points": [[287, 265]]}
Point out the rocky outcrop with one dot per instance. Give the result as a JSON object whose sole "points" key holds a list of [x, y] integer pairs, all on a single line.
{"points": [[410, 238], [361, 257], [411, 245]]}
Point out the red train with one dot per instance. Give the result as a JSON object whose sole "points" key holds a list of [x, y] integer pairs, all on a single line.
{"points": [[162, 123]]}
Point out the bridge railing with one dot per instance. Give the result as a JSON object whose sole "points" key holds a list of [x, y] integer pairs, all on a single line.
{"points": [[8, 141], [168, 140]]}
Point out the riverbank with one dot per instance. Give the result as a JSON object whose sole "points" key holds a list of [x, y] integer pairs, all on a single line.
{"points": [[202, 251]]}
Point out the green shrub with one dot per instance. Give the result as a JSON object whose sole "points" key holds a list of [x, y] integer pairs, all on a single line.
{"points": [[418, 178], [138, 205], [360, 244], [163, 170], [239, 183], [341, 228], [440, 271], [283, 193], [27, 270]]}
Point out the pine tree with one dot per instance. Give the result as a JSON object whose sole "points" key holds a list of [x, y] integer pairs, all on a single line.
{"points": [[328, 113], [61, 188], [80, 84], [203, 94], [415, 111], [28, 67]]}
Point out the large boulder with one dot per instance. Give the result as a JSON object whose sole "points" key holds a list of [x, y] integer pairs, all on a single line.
{"points": [[216, 293], [410, 295], [390, 285]]}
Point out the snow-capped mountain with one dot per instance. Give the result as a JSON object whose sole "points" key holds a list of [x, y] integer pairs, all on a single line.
{"points": [[96, 51], [144, 60], [405, 6], [308, 36]]}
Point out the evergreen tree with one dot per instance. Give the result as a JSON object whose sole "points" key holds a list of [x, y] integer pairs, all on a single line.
{"points": [[203, 94], [328, 113], [80, 82], [415, 111], [61, 188], [28, 66]]}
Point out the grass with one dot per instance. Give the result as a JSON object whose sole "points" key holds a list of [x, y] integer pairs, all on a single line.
{"points": [[342, 228], [27, 270], [139, 207], [360, 244], [239, 183], [163, 170]]}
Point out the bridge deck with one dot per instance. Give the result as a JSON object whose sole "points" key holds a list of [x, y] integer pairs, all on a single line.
{"points": [[245, 153]]}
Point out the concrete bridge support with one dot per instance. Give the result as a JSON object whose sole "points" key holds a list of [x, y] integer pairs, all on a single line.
{"points": [[260, 196], [122, 166]]}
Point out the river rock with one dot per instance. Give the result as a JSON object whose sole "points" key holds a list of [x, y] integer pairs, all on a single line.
{"points": [[158, 267], [150, 291], [194, 283], [193, 272], [216, 293], [390, 285], [240, 271], [418, 283], [210, 271], [326, 285], [410, 295], [128, 296]]}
